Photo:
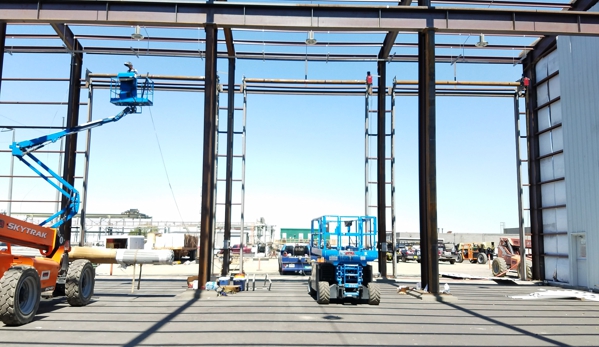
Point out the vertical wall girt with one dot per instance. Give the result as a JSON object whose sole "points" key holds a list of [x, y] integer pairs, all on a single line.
{"points": [[12, 158], [2, 46], [393, 229], [388, 43], [427, 160], [90, 99], [243, 138], [216, 149], [519, 184], [366, 150], [208, 171], [534, 177], [229, 169], [381, 163], [71, 141]]}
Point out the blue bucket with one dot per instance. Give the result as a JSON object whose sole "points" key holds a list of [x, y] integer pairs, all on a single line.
{"points": [[239, 282], [223, 281]]}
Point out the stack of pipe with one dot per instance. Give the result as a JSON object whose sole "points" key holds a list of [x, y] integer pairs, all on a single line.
{"points": [[122, 256]]}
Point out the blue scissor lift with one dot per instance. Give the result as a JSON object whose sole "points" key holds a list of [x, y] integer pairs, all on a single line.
{"points": [[344, 245]]}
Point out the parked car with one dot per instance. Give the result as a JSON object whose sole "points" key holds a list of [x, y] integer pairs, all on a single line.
{"points": [[448, 252], [235, 250], [408, 253], [445, 252]]}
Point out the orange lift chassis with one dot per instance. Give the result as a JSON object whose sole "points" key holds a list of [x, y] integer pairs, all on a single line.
{"points": [[23, 280]]}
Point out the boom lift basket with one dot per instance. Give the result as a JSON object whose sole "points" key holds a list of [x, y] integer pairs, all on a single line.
{"points": [[127, 90]]}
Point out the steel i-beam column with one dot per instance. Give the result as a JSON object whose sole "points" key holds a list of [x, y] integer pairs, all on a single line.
{"points": [[380, 164], [208, 171], [427, 160], [2, 46], [534, 176], [70, 150], [229, 169]]}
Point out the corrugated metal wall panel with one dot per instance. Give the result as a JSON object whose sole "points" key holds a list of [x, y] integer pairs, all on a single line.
{"points": [[553, 193], [579, 81]]}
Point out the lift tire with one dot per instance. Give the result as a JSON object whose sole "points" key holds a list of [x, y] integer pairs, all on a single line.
{"points": [[481, 258], [499, 267], [79, 286], [20, 293], [460, 258], [452, 261], [404, 259], [323, 293], [528, 270], [374, 294]]}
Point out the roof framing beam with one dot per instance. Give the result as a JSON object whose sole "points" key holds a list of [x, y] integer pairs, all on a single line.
{"points": [[229, 41], [304, 17], [391, 36], [194, 41], [67, 36], [548, 43], [270, 55]]}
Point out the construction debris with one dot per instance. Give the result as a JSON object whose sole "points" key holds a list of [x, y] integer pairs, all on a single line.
{"points": [[462, 276], [404, 290], [558, 294], [499, 280]]}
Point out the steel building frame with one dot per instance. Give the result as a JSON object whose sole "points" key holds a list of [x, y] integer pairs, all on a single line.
{"points": [[424, 20], [543, 47]]}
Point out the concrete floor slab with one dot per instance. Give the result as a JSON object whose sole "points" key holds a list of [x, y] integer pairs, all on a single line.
{"points": [[165, 313]]}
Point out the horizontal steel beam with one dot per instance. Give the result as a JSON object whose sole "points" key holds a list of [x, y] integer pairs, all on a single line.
{"points": [[323, 57], [301, 17], [320, 43]]}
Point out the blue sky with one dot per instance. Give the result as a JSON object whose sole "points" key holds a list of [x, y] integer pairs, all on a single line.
{"points": [[304, 153]]}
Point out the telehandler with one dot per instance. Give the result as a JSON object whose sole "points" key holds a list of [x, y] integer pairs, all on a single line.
{"points": [[23, 280]]}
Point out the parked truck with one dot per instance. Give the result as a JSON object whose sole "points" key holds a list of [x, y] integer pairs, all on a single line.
{"points": [[295, 258], [344, 246]]}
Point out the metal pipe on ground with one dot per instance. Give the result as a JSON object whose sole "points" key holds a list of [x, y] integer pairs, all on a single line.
{"points": [[122, 256]]}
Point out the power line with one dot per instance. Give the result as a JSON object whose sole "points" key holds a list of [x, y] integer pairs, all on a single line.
{"points": [[165, 169]]}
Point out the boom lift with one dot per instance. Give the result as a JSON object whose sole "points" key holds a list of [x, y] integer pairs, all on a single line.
{"points": [[344, 246], [24, 279]]}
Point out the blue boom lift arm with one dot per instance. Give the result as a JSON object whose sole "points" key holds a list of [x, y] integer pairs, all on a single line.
{"points": [[24, 149], [124, 91]]}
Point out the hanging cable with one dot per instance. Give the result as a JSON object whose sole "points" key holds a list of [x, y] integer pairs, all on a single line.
{"points": [[165, 170]]}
